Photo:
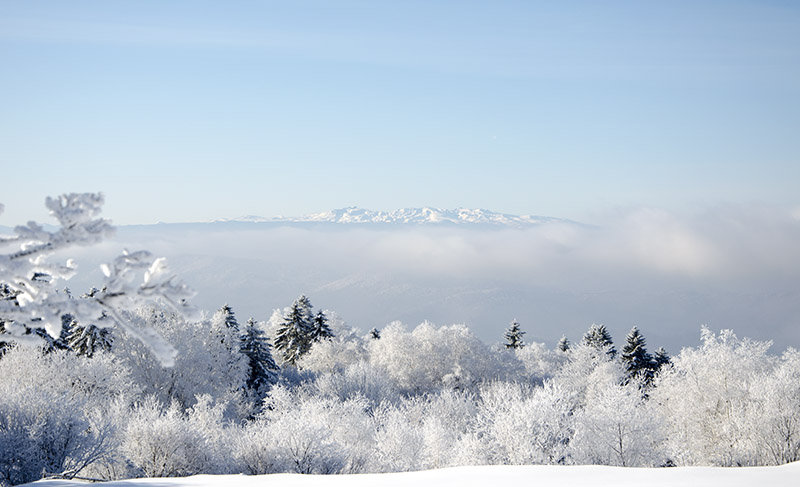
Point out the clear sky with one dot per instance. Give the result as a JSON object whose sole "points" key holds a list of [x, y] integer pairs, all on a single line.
{"points": [[192, 110]]}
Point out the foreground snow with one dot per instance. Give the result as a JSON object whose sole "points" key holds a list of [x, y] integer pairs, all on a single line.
{"points": [[542, 475]]}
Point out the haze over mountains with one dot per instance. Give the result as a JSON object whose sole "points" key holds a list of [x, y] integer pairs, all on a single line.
{"points": [[666, 273]]}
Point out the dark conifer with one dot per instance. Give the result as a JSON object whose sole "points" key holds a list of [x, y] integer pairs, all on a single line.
{"points": [[598, 337], [293, 338], [319, 328], [563, 344], [660, 359], [87, 340], [513, 336], [638, 363], [262, 370]]}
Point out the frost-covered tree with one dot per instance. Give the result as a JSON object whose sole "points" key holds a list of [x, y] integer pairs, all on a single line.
{"points": [[319, 328], [225, 331], [293, 337], [522, 424], [375, 334], [513, 336], [638, 362], [54, 412], [35, 282], [776, 414], [563, 344], [708, 403], [617, 426], [306, 434], [261, 367], [597, 336], [203, 366]]}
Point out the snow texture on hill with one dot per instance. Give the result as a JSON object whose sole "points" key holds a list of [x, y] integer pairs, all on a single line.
{"points": [[540, 475], [407, 216]]}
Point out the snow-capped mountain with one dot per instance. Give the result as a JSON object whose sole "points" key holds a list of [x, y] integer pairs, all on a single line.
{"points": [[407, 216]]}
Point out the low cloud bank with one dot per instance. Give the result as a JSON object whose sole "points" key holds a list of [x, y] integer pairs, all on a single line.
{"points": [[729, 267]]}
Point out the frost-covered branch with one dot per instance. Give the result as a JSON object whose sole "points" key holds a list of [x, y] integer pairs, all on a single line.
{"points": [[31, 293]]}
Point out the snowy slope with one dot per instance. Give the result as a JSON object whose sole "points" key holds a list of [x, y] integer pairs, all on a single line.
{"points": [[539, 475], [406, 216]]}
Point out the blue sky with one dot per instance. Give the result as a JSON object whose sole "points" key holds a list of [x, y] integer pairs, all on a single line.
{"points": [[183, 111]]}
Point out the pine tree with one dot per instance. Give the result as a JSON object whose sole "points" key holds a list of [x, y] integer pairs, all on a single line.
{"points": [[598, 337], [8, 295], [319, 328], [87, 340], [225, 328], [563, 344], [375, 334], [638, 362], [293, 338], [262, 369], [660, 359], [513, 336]]}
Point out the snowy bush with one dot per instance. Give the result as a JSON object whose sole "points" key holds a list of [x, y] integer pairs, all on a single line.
{"points": [[359, 380], [306, 434], [429, 358], [203, 365], [617, 426], [776, 413], [171, 442], [521, 424], [53, 412]]}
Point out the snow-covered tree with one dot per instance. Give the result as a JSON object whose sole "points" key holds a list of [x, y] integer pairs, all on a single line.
{"points": [[35, 282], [522, 424], [563, 344], [617, 426], [707, 400], [375, 334], [262, 369], [319, 328], [87, 340], [54, 412], [597, 336], [225, 331], [513, 336], [638, 362], [293, 337], [661, 358]]}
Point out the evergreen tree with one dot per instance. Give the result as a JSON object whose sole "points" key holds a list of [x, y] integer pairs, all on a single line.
{"points": [[262, 370], [598, 337], [513, 336], [319, 328], [87, 340], [660, 359], [375, 334], [293, 338], [638, 363], [225, 328], [563, 344], [8, 294]]}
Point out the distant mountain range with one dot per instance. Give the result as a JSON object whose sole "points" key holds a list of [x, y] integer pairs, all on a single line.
{"points": [[406, 216]]}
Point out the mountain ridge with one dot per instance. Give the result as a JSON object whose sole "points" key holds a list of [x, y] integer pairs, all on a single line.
{"points": [[405, 216]]}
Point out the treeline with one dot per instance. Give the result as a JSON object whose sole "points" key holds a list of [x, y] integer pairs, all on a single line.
{"points": [[303, 392]]}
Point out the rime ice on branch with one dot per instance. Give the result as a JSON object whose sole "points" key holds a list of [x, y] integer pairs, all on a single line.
{"points": [[132, 279]]}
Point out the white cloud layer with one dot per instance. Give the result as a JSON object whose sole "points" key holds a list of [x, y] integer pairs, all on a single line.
{"points": [[730, 267]]}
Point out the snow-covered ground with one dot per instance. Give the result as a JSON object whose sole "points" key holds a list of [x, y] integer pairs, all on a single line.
{"points": [[539, 475]]}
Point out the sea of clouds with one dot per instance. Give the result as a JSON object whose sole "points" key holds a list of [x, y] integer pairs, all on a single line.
{"points": [[668, 273]]}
